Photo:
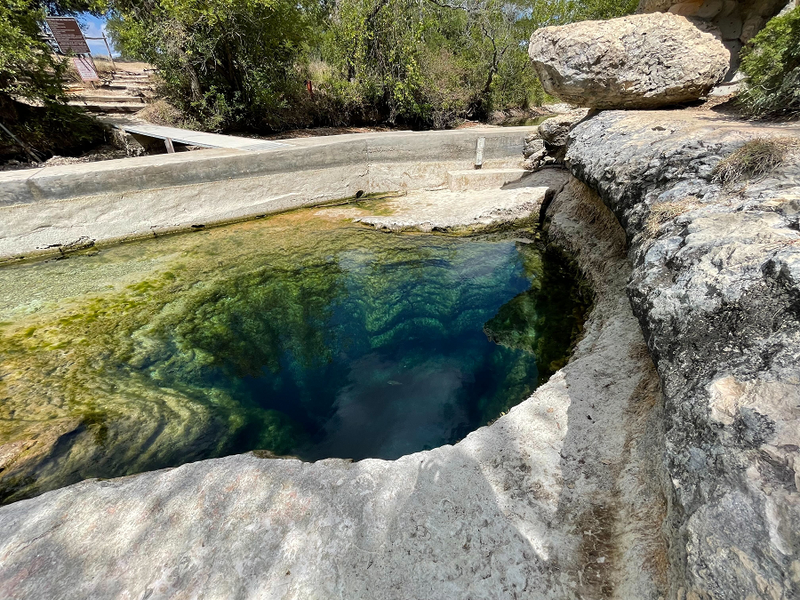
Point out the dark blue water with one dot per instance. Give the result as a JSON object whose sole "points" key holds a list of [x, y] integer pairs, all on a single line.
{"points": [[379, 352], [291, 336]]}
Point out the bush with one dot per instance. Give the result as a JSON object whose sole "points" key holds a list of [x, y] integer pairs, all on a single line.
{"points": [[31, 90], [225, 63], [771, 61], [27, 67], [231, 64]]}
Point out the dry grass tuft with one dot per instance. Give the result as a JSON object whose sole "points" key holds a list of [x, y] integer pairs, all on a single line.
{"points": [[756, 159], [666, 211]]}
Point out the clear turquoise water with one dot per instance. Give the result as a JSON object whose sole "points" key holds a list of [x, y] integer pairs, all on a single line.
{"points": [[403, 363], [332, 341]]}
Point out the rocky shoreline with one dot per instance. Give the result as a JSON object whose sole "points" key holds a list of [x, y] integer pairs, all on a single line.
{"points": [[715, 288], [504, 513]]}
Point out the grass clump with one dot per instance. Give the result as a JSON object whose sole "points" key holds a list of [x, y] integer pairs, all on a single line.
{"points": [[163, 113], [756, 159], [666, 211], [771, 61]]}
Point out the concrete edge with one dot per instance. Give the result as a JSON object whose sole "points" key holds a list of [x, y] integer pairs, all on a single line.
{"points": [[57, 210]]}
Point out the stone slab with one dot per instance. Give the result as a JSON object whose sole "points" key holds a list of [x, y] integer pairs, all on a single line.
{"points": [[482, 179], [471, 210]]}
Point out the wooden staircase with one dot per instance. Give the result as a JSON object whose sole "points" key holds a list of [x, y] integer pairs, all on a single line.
{"points": [[121, 92]]}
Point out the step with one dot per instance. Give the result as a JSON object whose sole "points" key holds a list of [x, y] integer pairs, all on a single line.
{"points": [[114, 87], [125, 77], [109, 107], [101, 98], [482, 179]]}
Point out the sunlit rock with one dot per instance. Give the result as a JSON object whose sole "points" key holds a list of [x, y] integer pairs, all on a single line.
{"points": [[641, 61]]}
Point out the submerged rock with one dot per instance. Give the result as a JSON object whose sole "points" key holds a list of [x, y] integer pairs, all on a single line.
{"points": [[641, 61]]}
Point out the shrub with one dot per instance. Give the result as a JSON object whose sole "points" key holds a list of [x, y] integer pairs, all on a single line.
{"points": [[31, 90], [224, 63], [771, 61], [231, 64]]}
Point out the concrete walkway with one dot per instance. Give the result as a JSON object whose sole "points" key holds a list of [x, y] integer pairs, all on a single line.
{"points": [[59, 209], [197, 138]]}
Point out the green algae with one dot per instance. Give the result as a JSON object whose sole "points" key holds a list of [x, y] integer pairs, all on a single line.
{"points": [[541, 320], [162, 352]]}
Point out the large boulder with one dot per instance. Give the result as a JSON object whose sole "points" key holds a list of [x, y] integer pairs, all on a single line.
{"points": [[640, 61], [738, 21]]}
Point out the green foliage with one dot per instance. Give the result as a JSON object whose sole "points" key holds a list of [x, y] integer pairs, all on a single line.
{"points": [[228, 63], [771, 61], [429, 63], [27, 68], [424, 63], [30, 72]]}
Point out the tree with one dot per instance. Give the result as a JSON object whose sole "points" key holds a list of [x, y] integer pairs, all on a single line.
{"points": [[247, 63], [32, 101], [228, 63]]}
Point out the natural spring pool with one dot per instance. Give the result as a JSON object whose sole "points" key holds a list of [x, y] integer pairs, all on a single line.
{"points": [[300, 334]]}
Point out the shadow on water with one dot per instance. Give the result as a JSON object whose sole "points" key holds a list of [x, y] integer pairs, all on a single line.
{"points": [[296, 338]]}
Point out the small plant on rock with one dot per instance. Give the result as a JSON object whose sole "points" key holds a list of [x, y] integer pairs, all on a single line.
{"points": [[756, 159]]}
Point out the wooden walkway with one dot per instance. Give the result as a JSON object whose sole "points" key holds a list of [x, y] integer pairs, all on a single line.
{"points": [[172, 135]]}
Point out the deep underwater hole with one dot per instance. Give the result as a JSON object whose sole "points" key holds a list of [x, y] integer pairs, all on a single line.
{"points": [[337, 342]]}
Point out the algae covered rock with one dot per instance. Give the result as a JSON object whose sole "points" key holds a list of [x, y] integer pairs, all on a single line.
{"points": [[641, 61]]}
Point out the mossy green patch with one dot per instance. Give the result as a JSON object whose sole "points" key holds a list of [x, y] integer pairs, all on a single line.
{"points": [[289, 335]]}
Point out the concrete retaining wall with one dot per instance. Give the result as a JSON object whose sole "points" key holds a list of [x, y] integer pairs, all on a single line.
{"points": [[55, 209]]}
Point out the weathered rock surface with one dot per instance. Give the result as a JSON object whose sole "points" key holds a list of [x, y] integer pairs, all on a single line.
{"points": [[737, 19], [533, 145], [560, 498], [716, 287], [446, 210], [641, 61], [554, 130]]}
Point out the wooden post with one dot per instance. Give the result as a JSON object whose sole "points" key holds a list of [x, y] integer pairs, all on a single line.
{"points": [[111, 58], [170, 147]]}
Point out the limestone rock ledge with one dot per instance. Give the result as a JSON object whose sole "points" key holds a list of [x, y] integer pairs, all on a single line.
{"points": [[563, 497], [716, 287]]}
